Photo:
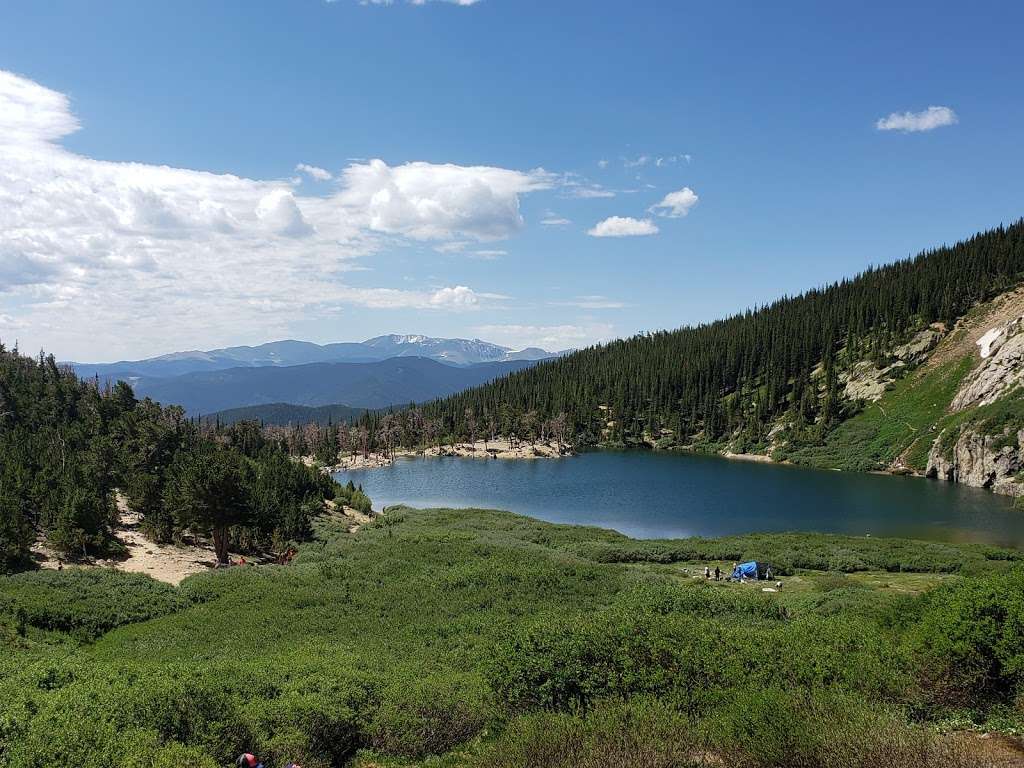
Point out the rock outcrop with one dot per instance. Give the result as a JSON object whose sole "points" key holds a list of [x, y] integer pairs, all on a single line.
{"points": [[1001, 368], [982, 461], [865, 381], [976, 458]]}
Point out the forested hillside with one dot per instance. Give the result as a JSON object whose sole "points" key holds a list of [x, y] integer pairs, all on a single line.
{"points": [[66, 445], [732, 380]]}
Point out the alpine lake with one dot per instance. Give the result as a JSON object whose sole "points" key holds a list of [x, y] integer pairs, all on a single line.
{"points": [[674, 495]]}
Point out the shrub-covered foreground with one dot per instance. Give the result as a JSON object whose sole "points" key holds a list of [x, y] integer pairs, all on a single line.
{"points": [[488, 639]]}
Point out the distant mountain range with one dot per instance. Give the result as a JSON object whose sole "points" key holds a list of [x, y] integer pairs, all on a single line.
{"points": [[395, 381], [459, 352]]}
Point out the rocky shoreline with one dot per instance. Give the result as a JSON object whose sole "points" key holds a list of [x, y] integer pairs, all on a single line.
{"points": [[490, 449]]}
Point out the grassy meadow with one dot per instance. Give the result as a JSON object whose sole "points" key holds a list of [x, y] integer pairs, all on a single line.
{"points": [[479, 638]]}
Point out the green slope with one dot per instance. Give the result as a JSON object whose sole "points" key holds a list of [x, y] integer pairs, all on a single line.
{"points": [[905, 418], [475, 634]]}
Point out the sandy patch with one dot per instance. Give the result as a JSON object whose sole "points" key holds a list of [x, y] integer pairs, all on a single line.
{"points": [[171, 563], [756, 457]]}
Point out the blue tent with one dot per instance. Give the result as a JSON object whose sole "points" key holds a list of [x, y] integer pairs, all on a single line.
{"points": [[751, 570]]}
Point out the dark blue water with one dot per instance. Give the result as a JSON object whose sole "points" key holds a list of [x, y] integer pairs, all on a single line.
{"points": [[654, 495]]}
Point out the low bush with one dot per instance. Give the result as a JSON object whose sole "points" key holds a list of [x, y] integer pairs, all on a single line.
{"points": [[968, 646], [640, 733], [85, 602], [808, 551], [430, 716]]}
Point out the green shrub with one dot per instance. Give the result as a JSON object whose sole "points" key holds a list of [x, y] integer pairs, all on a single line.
{"points": [[776, 728], [968, 647], [640, 733], [85, 602], [360, 502], [429, 716]]}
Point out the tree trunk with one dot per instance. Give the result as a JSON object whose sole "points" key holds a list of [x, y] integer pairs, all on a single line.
{"points": [[220, 544]]}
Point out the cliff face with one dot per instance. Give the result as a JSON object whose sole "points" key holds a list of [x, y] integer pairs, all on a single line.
{"points": [[1001, 368], [979, 460], [980, 450]]}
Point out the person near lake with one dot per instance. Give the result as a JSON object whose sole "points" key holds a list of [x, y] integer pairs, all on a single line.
{"points": [[248, 760], [707, 572], [718, 573]]}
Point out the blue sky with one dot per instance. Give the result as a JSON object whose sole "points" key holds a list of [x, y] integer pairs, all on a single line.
{"points": [[451, 133]]}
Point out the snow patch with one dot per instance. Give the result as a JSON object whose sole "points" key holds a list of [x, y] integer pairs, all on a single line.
{"points": [[990, 338]]}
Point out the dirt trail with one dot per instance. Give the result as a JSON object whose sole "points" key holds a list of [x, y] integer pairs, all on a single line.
{"points": [[165, 562], [171, 563]]}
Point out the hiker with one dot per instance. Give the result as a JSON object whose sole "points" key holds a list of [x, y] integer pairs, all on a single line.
{"points": [[248, 760], [707, 572], [60, 565], [718, 573], [768, 573]]}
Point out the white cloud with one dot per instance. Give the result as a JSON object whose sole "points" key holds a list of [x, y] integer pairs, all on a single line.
{"points": [[424, 201], [590, 302], [591, 192], [459, 297], [281, 215], [455, 246], [602, 164], [553, 338], [32, 114], [488, 255], [623, 226], [314, 172], [638, 162], [554, 220], [106, 259], [676, 204], [915, 122], [665, 160]]}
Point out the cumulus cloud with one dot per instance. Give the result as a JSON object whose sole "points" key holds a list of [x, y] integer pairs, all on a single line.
{"points": [[280, 214], [314, 172], [102, 259], [32, 114], [550, 337], [916, 122], [676, 204], [424, 201], [623, 226]]}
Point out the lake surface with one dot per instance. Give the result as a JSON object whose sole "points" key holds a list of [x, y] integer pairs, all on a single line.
{"points": [[655, 495]]}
